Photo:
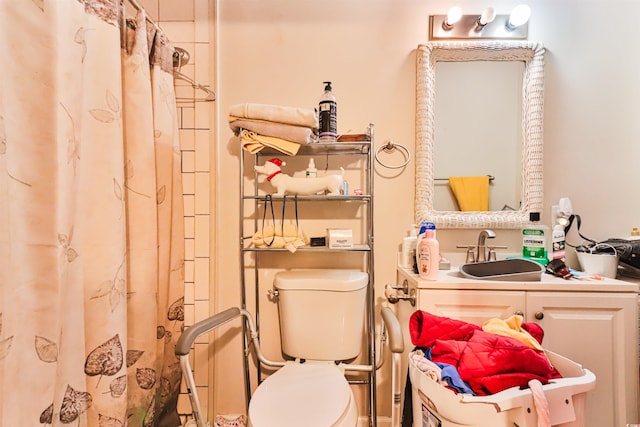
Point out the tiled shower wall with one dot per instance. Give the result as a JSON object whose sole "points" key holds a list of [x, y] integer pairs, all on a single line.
{"points": [[187, 24]]}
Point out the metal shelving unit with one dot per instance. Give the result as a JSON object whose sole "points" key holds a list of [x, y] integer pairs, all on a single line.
{"points": [[250, 256]]}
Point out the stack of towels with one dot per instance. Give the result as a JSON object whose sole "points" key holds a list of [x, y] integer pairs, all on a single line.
{"points": [[279, 127]]}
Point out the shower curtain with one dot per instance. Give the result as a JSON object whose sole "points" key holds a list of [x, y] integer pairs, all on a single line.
{"points": [[91, 221]]}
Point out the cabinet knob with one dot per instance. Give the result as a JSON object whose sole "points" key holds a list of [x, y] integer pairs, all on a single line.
{"points": [[539, 315], [519, 313]]}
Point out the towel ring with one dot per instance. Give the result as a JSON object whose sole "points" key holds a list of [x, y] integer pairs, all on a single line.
{"points": [[390, 146]]}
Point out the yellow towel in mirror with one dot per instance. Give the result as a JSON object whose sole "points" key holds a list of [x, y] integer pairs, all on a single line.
{"points": [[471, 192]]}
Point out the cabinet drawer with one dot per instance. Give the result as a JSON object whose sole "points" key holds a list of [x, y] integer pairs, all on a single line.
{"points": [[472, 306]]}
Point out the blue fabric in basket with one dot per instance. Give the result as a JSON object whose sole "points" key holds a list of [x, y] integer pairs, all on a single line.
{"points": [[451, 376]]}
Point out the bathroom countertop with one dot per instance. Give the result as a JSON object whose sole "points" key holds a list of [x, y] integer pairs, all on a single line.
{"points": [[451, 279]]}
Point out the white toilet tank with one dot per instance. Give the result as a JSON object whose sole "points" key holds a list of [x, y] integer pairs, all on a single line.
{"points": [[321, 313]]}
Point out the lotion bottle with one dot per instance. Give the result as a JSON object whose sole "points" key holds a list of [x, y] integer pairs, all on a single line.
{"points": [[428, 254], [312, 172]]}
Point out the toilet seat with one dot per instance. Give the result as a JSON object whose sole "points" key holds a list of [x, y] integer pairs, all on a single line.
{"points": [[312, 394]]}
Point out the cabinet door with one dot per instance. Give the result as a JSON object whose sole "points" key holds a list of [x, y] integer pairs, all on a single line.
{"points": [[598, 331], [471, 306]]}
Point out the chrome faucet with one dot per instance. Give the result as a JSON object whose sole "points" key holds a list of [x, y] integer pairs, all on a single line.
{"points": [[481, 249]]}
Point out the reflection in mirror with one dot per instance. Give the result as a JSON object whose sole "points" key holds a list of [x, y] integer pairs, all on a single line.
{"points": [[485, 120], [487, 97]]}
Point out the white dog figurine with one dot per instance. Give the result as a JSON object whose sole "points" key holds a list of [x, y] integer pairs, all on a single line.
{"points": [[301, 186]]}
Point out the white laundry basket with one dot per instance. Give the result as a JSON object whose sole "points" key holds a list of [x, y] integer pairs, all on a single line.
{"points": [[434, 405]]}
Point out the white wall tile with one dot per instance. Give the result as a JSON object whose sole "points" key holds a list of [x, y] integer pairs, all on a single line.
{"points": [[188, 183], [187, 139], [189, 248], [189, 269], [187, 116], [201, 366], [179, 31], [202, 280], [201, 245], [189, 228], [202, 63], [202, 197], [201, 29], [172, 10], [188, 161], [189, 296]]}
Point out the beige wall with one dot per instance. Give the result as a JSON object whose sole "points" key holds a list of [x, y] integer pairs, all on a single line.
{"points": [[280, 51]]}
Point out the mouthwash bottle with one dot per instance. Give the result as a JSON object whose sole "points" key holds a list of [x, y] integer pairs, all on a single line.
{"points": [[534, 240]]}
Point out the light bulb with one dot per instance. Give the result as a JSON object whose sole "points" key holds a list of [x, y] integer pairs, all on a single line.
{"points": [[519, 16], [453, 15], [488, 15]]}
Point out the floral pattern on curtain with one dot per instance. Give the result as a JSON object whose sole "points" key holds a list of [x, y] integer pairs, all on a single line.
{"points": [[91, 218]]}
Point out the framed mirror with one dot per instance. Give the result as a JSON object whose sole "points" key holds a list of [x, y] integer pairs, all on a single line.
{"points": [[504, 130]]}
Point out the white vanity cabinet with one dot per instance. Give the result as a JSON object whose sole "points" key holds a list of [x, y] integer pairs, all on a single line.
{"points": [[594, 323]]}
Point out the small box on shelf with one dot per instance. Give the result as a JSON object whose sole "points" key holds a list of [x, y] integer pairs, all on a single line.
{"points": [[340, 238]]}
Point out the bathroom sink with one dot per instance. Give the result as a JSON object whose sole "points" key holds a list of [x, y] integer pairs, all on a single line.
{"points": [[516, 269]]}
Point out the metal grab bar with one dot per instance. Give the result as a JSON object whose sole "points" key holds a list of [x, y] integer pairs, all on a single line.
{"points": [[390, 332], [188, 337]]}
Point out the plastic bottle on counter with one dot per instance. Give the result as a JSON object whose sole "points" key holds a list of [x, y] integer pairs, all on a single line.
{"points": [[534, 240], [558, 242], [428, 253], [328, 117], [409, 243], [312, 172]]}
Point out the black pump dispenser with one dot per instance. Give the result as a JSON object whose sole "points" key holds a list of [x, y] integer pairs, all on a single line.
{"points": [[328, 117]]}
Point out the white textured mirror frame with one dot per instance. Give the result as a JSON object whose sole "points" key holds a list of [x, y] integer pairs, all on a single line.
{"points": [[532, 127]]}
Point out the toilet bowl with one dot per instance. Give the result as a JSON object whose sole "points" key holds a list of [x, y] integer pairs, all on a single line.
{"points": [[310, 394]]}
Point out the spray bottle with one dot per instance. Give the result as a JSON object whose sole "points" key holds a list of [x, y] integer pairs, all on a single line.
{"points": [[328, 115]]}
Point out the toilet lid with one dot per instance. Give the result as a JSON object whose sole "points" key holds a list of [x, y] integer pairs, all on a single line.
{"points": [[307, 394]]}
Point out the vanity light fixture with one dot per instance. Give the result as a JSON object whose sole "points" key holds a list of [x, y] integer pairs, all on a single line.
{"points": [[453, 15], [519, 16], [487, 25], [487, 16]]}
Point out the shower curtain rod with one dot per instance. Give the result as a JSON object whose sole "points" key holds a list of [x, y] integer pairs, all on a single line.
{"points": [[180, 58]]}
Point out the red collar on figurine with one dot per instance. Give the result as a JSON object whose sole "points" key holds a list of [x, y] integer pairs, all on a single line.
{"points": [[270, 177]]}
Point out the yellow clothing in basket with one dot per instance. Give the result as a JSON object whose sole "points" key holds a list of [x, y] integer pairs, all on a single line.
{"points": [[511, 327], [472, 192]]}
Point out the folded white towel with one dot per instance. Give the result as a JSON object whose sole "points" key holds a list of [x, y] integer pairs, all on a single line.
{"points": [[299, 134], [276, 113]]}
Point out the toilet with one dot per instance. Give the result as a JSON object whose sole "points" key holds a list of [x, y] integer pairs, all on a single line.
{"points": [[321, 322]]}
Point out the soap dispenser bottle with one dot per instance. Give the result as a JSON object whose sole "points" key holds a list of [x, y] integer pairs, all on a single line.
{"points": [[312, 172], [328, 117]]}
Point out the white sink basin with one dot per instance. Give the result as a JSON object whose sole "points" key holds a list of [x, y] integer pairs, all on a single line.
{"points": [[514, 270]]}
